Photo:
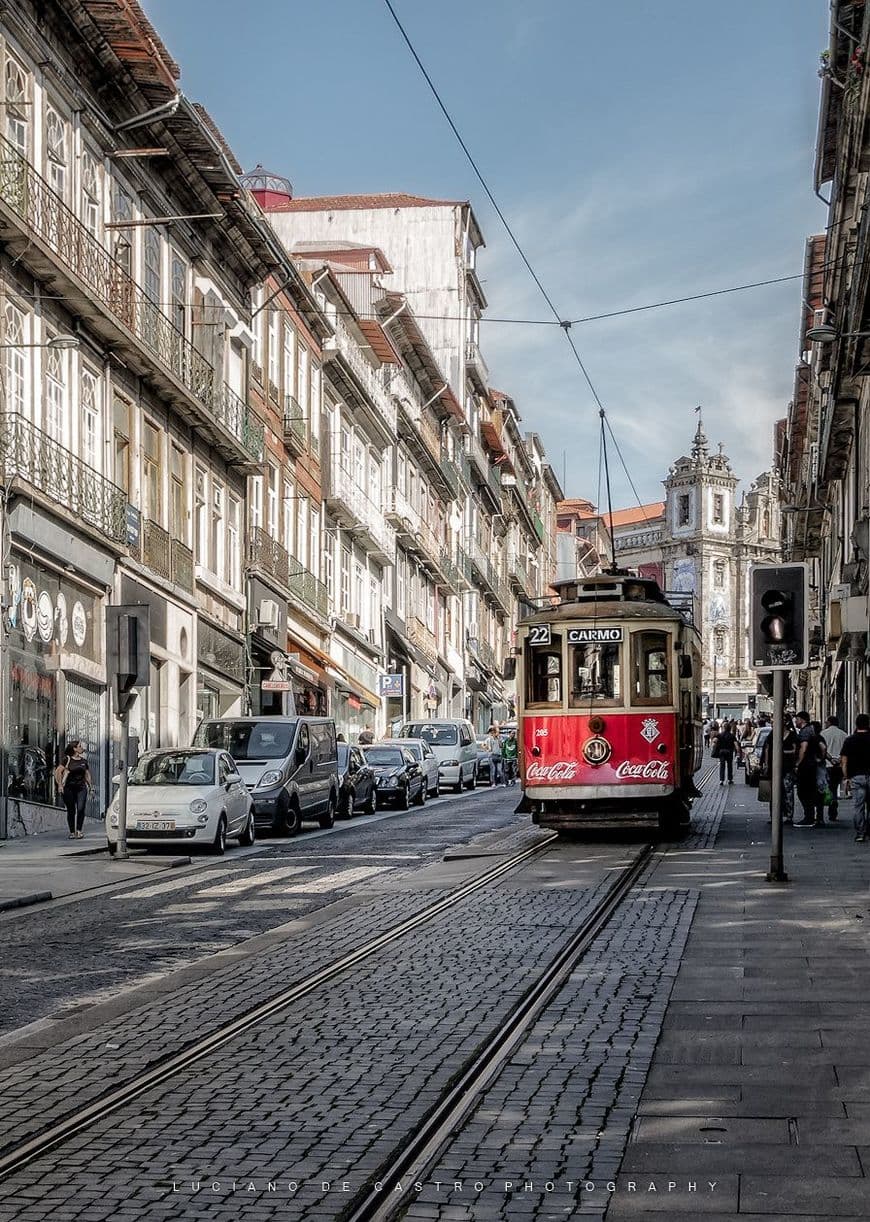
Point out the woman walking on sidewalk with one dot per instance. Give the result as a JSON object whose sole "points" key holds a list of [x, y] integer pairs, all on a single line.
{"points": [[855, 759], [726, 742], [73, 778]]}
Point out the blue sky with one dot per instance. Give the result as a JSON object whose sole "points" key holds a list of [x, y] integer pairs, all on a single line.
{"points": [[641, 150]]}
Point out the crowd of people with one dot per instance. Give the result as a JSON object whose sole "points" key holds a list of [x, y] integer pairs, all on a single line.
{"points": [[817, 761]]}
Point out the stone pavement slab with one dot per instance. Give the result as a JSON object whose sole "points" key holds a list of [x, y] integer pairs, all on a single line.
{"points": [[761, 1078]]}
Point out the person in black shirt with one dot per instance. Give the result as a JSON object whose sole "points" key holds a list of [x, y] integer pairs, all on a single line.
{"points": [[810, 755], [73, 779], [726, 743], [855, 762]]}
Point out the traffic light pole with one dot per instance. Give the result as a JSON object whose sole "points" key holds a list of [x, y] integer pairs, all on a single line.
{"points": [[776, 873], [121, 851]]}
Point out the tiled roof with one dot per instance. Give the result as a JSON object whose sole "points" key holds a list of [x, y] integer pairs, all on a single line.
{"points": [[339, 203], [637, 516]]}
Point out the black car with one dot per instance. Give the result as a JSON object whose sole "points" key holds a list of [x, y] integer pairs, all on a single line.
{"points": [[356, 783], [754, 755], [398, 776]]}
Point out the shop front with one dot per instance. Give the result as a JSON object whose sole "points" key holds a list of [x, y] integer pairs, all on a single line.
{"points": [[55, 690], [220, 678]]}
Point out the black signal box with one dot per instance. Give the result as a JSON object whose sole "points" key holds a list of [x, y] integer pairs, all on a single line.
{"points": [[779, 630]]}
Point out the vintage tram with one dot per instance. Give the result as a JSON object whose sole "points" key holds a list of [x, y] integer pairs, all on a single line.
{"points": [[609, 706]]}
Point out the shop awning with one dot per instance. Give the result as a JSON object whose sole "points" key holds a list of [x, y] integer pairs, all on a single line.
{"points": [[351, 686]]}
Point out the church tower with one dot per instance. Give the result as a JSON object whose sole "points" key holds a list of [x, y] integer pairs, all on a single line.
{"points": [[700, 554]]}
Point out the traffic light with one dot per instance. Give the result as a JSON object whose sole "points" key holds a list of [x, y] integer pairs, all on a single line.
{"points": [[778, 616]]}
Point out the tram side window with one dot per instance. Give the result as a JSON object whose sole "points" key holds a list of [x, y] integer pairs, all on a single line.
{"points": [[595, 675], [545, 674], [651, 668]]}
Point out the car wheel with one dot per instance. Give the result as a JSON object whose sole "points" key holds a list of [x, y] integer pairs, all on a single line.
{"points": [[327, 819], [405, 799], [472, 782], [420, 799], [219, 844], [345, 806], [436, 792], [372, 803], [292, 820], [112, 846], [249, 835]]}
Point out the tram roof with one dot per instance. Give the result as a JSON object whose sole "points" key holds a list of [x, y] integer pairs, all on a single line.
{"points": [[619, 595]]}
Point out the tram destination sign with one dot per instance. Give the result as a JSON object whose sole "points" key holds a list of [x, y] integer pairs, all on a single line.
{"points": [[593, 636]]}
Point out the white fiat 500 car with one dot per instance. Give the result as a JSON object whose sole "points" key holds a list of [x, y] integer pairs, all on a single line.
{"points": [[184, 797]]}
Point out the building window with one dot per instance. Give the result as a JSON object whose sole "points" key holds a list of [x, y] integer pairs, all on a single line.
{"points": [[272, 500], [89, 415], [178, 493], [683, 505], [151, 264], [57, 152], [17, 99], [200, 518], [289, 502], [718, 508], [121, 450], [257, 502], [234, 553], [314, 556], [302, 538], [15, 359], [90, 193], [289, 362], [122, 246], [651, 672], [302, 388], [718, 574], [328, 565], [151, 471], [216, 547], [178, 292], [345, 580], [54, 411], [274, 347]]}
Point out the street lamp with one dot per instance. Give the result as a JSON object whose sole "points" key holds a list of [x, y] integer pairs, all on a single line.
{"points": [[60, 343]]}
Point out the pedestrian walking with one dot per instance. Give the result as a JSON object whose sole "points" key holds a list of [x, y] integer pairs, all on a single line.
{"points": [[366, 737], [493, 743], [855, 762], [509, 757], [706, 732], [73, 779], [744, 741], [789, 763], [834, 739], [810, 756], [726, 742]]}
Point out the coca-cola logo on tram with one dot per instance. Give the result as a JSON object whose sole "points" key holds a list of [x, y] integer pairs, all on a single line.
{"points": [[642, 750]]}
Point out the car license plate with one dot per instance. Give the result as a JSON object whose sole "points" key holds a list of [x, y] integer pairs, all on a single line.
{"points": [[155, 825]]}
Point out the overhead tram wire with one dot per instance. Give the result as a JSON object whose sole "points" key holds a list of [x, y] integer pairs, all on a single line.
{"points": [[565, 324]]}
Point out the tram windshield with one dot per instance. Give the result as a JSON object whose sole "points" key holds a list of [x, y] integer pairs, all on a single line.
{"points": [[652, 683], [595, 674]]}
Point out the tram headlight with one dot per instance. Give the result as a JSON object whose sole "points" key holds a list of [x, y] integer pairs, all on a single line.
{"points": [[596, 724]]}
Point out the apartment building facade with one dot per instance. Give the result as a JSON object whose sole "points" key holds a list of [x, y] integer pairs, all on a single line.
{"points": [[824, 445]]}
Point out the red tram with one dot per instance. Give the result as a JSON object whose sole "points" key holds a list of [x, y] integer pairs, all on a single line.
{"points": [[609, 706]]}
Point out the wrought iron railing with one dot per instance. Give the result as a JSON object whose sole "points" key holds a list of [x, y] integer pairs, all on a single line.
{"points": [[306, 588], [424, 640], [156, 548], [487, 472], [344, 346], [450, 571], [450, 476], [44, 213], [295, 424], [182, 565], [268, 555], [474, 358], [487, 655], [517, 569], [31, 455]]}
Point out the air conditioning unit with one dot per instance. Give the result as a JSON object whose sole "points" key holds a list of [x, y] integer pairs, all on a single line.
{"points": [[268, 614]]}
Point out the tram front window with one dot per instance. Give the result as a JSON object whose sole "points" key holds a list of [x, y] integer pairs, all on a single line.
{"points": [[595, 675], [545, 675], [651, 668]]}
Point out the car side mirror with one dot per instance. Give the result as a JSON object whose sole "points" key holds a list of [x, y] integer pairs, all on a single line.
{"points": [[300, 755]]}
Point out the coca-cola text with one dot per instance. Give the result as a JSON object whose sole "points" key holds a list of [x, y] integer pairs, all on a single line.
{"points": [[653, 770], [561, 770]]}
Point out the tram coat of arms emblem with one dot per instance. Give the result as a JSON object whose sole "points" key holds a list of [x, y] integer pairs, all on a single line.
{"points": [[650, 730]]}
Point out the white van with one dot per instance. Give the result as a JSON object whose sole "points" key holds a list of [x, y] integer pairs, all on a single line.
{"points": [[452, 741]]}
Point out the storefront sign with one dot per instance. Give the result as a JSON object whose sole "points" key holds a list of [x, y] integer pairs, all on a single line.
{"points": [[47, 612]]}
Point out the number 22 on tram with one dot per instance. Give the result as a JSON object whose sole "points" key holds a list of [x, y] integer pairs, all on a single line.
{"points": [[609, 706]]}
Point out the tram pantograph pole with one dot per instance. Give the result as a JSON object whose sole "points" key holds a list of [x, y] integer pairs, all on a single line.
{"points": [[776, 873]]}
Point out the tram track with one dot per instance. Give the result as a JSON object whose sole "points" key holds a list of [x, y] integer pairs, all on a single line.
{"points": [[409, 1164], [55, 1134]]}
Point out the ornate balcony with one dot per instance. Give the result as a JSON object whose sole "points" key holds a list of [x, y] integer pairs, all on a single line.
{"points": [[267, 555], [519, 573], [359, 514], [357, 380], [487, 475], [51, 240], [476, 366], [306, 591], [488, 576], [424, 640], [167, 557], [295, 426], [61, 478]]}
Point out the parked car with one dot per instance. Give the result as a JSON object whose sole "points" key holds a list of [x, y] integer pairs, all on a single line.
{"points": [[753, 756], [399, 777], [289, 764], [188, 795], [357, 790], [452, 742], [484, 763], [426, 758]]}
